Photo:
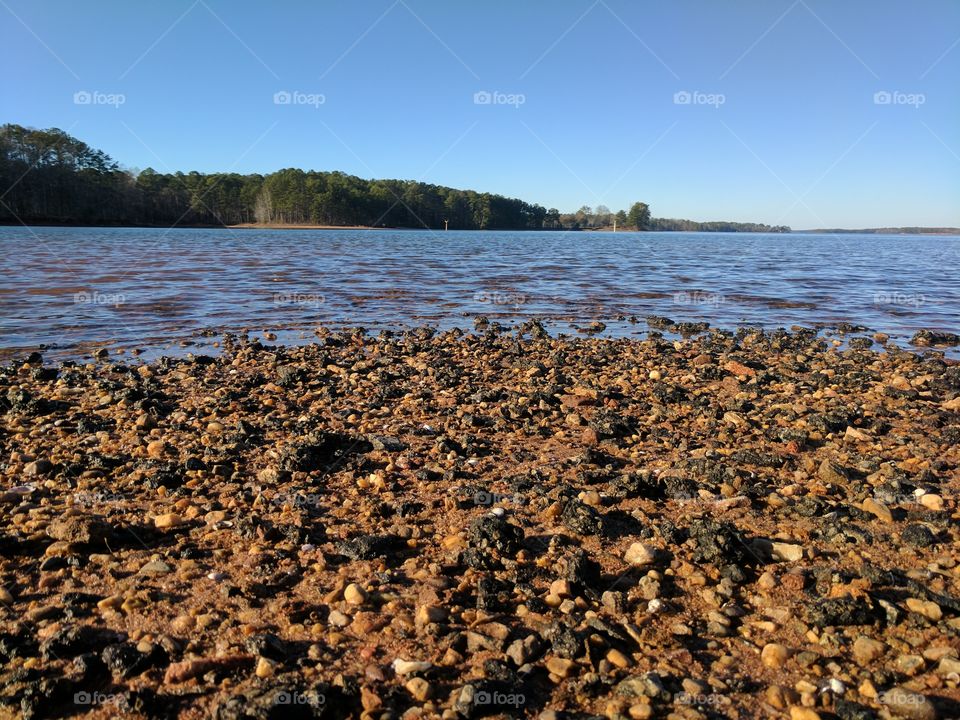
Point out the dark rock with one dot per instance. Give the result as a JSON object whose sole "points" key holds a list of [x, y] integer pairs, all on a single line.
{"points": [[918, 535], [369, 547], [493, 532], [840, 612], [927, 338], [581, 518], [267, 645]]}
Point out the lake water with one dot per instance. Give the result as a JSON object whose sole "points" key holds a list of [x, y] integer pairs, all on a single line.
{"points": [[71, 289]]}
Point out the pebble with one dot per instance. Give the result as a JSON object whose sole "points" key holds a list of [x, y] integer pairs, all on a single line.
{"points": [[866, 650], [798, 712], [5, 597], [420, 689], [640, 554], [927, 608], [908, 704], [408, 667], [561, 667], [877, 509], [774, 655], [932, 501], [167, 520], [354, 594]]}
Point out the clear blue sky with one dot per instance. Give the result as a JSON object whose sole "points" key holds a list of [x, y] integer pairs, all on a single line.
{"points": [[798, 138]]}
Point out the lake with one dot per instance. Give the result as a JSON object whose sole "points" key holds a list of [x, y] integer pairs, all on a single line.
{"points": [[73, 289]]}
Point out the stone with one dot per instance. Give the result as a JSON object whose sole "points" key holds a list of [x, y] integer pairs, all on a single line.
{"points": [[618, 658], [908, 704], [265, 668], [640, 554], [420, 689], [427, 614], [166, 520], [409, 667], [561, 667], [866, 650], [354, 594], [926, 608], [798, 712], [877, 509], [774, 655], [932, 501], [786, 551], [5, 597]]}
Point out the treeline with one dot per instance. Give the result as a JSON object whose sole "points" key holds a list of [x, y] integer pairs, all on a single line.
{"points": [[672, 225], [50, 177], [47, 176]]}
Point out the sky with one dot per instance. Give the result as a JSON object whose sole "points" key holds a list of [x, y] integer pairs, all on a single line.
{"points": [[809, 113]]}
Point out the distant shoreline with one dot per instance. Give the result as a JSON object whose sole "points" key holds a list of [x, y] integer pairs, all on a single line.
{"points": [[933, 232]]}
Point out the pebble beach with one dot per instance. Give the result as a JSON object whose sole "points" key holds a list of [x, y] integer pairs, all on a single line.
{"points": [[493, 523]]}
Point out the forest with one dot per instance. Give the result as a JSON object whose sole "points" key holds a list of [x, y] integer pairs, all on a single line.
{"points": [[50, 177]]}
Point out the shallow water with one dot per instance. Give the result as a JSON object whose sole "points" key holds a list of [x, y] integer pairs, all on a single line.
{"points": [[71, 288]]}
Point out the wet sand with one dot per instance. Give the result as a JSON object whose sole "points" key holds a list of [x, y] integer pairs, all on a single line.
{"points": [[492, 524]]}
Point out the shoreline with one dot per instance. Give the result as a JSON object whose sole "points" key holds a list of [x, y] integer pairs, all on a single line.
{"points": [[422, 519]]}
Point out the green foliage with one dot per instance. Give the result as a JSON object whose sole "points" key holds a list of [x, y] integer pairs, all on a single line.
{"points": [[62, 180]]}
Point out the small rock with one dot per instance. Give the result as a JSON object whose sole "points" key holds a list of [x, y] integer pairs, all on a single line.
{"points": [[167, 520], [420, 689], [925, 607], [932, 501], [798, 712], [561, 667], [354, 594], [866, 650], [639, 554], [877, 509], [908, 704], [787, 551], [774, 655], [265, 668], [5, 597], [408, 667]]}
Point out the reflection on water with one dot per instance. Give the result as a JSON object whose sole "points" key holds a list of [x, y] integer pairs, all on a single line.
{"points": [[66, 287]]}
